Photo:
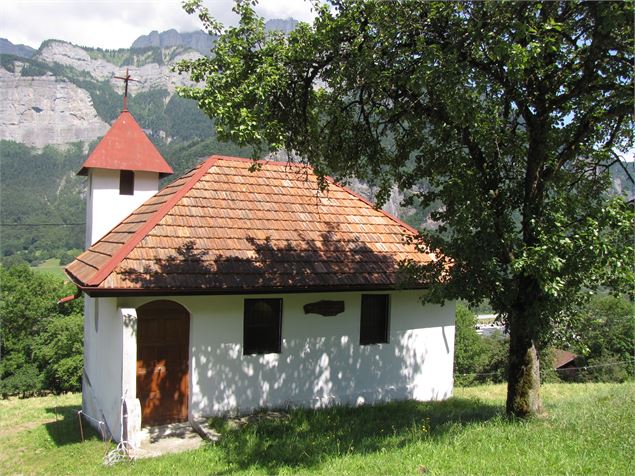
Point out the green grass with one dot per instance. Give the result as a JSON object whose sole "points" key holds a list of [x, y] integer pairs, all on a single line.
{"points": [[51, 266], [588, 429]]}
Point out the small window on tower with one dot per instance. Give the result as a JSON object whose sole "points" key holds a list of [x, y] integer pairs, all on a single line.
{"points": [[126, 182]]}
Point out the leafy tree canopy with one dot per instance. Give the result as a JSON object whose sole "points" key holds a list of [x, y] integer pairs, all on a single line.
{"points": [[606, 338], [510, 114], [41, 340]]}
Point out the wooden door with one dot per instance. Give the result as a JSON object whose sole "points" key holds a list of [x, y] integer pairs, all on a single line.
{"points": [[163, 330]]}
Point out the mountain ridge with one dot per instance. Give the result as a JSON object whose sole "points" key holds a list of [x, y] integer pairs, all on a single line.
{"points": [[63, 93], [22, 51], [66, 93], [199, 40]]}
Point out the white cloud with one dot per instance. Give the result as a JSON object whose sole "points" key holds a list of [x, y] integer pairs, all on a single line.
{"points": [[628, 156], [117, 23], [298, 9]]}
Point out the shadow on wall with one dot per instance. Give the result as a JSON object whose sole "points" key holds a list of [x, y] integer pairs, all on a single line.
{"points": [[320, 368], [303, 439], [317, 372]]}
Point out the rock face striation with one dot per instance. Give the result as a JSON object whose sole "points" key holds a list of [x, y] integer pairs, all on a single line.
{"points": [[68, 54], [44, 110], [286, 25], [197, 40], [48, 96], [149, 75]]}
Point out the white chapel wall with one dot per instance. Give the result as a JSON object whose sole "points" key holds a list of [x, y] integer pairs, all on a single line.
{"points": [[106, 208], [101, 392], [321, 362]]}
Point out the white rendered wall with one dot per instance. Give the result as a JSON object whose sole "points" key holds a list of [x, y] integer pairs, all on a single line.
{"points": [[106, 208], [103, 360], [321, 362]]}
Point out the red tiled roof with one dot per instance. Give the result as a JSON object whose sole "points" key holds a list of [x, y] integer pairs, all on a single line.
{"points": [[126, 147], [221, 228]]}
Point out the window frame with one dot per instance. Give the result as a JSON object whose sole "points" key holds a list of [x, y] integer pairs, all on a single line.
{"points": [[371, 337], [126, 182], [258, 348]]}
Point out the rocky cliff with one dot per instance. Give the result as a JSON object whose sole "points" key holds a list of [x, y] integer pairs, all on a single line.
{"points": [[151, 72], [46, 110], [52, 98], [197, 40], [66, 93]]}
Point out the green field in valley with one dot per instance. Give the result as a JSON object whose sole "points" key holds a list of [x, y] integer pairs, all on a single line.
{"points": [[51, 266]]}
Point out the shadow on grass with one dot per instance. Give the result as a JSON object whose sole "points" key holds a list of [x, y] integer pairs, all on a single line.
{"points": [[305, 438], [65, 429]]}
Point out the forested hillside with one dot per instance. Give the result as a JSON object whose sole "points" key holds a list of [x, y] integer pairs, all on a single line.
{"points": [[43, 200], [39, 187]]}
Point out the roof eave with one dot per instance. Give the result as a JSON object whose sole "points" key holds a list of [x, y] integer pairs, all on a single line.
{"points": [[74, 279], [83, 172], [146, 292]]}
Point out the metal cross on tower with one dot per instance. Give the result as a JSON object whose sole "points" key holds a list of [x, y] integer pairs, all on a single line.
{"points": [[126, 79]]}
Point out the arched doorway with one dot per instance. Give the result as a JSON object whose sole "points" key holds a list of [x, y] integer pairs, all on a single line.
{"points": [[163, 334]]}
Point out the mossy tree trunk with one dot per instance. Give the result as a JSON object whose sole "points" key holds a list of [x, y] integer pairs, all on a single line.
{"points": [[523, 387]]}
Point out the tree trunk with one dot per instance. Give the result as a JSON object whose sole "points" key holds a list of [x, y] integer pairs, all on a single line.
{"points": [[523, 385]]}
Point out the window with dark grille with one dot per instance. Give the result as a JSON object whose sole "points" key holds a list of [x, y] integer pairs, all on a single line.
{"points": [[262, 331], [375, 319], [126, 182]]}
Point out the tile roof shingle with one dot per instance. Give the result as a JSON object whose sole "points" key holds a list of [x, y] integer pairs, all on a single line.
{"points": [[222, 228]]}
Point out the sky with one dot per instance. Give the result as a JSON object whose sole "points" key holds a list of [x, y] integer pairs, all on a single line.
{"points": [[117, 23]]}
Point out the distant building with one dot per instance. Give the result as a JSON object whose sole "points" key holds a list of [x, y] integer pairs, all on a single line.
{"points": [[490, 329], [564, 362]]}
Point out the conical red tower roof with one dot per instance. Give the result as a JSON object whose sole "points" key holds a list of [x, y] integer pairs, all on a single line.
{"points": [[126, 147]]}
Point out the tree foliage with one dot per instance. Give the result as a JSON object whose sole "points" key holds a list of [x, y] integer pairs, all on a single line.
{"points": [[508, 114], [477, 359], [606, 339], [40, 187], [41, 340]]}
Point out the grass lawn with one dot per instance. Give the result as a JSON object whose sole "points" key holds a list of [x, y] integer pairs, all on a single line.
{"points": [[51, 266], [588, 429]]}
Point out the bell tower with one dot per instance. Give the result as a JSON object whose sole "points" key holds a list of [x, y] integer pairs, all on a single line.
{"points": [[123, 172]]}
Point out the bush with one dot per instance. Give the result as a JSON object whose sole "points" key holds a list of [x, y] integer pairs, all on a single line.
{"points": [[548, 373], [26, 382], [607, 339], [59, 353], [41, 340], [68, 256], [495, 362], [468, 347]]}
